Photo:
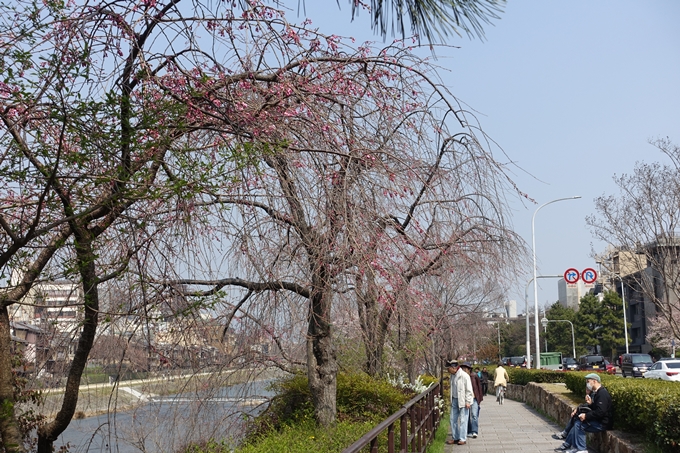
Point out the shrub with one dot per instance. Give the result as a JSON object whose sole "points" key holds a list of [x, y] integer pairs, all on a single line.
{"points": [[292, 404], [667, 427], [307, 437], [522, 376], [360, 399], [288, 425]]}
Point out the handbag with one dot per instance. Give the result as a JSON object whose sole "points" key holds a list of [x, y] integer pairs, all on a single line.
{"points": [[583, 409]]}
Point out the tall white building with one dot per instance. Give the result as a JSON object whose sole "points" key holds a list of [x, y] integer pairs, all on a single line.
{"points": [[570, 294]]}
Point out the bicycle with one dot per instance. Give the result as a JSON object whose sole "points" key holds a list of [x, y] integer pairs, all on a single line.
{"points": [[501, 394]]}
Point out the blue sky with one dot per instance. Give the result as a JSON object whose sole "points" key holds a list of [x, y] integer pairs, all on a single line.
{"points": [[572, 91]]}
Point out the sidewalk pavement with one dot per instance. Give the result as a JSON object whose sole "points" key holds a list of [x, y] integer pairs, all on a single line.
{"points": [[512, 427]]}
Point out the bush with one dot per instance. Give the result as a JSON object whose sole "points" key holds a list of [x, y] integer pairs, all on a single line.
{"points": [[667, 427], [307, 437], [522, 376], [292, 404], [360, 399]]}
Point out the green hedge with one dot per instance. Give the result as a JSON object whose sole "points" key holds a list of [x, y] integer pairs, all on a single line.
{"points": [[641, 406], [522, 376]]}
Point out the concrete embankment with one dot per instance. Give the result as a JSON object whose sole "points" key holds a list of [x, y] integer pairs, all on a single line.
{"points": [[125, 395]]}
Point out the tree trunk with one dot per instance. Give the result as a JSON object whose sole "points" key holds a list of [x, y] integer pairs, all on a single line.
{"points": [[49, 432], [374, 323], [377, 324], [322, 366], [10, 434], [374, 357]]}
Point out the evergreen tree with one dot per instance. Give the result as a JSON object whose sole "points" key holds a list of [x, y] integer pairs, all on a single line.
{"points": [[600, 323], [611, 319], [587, 323], [558, 334]]}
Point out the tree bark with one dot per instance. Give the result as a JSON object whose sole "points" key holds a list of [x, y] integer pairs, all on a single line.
{"points": [[10, 434], [49, 432], [322, 366]]}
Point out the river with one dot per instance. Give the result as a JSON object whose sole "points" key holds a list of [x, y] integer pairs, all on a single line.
{"points": [[166, 424]]}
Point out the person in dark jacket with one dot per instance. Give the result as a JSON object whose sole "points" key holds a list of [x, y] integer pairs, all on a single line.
{"points": [[485, 380], [473, 421], [600, 417]]}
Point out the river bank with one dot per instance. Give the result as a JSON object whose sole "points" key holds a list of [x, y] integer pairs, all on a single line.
{"points": [[163, 424], [97, 399]]}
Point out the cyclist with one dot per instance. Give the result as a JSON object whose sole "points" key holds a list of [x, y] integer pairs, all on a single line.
{"points": [[500, 379]]}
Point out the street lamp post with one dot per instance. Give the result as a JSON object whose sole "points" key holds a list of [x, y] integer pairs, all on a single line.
{"points": [[533, 246], [498, 325], [623, 299], [526, 312], [545, 322]]}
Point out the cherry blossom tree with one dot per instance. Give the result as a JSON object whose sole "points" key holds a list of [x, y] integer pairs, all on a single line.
{"points": [[140, 129], [364, 165], [95, 110]]}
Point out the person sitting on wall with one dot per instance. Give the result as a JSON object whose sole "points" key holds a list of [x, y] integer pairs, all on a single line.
{"points": [[599, 418], [574, 416]]}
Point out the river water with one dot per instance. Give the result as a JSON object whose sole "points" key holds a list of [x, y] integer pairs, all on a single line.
{"points": [[166, 424]]}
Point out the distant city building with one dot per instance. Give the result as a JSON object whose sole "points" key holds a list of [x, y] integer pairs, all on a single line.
{"points": [[33, 343], [511, 309], [54, 305], [570, 294]]}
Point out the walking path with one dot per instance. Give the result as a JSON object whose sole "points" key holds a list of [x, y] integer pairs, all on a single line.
{"points": [[512, 427]]}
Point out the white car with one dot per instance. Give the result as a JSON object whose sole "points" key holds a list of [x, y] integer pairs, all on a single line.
{"points": [[666, 370]]}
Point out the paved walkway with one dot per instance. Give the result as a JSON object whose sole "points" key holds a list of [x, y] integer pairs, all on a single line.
{"points": [[512, 427]]}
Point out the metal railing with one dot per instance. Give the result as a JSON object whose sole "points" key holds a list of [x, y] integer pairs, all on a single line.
{"points": [[417, 421]]}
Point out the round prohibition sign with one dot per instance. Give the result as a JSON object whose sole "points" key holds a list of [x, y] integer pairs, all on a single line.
{"points": [[571, 275], [589, 275]]}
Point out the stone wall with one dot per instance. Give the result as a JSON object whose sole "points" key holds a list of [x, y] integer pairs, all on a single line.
{"points": [[559, 408]]}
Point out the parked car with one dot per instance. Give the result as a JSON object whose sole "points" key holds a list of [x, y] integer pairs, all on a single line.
{"points": [[569, 364], [610, 367], [666, 370], [591, 362], [635, 365]]}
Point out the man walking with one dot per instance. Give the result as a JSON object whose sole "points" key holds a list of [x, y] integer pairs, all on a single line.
{"points": [[452, 368], [461, 401]]}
